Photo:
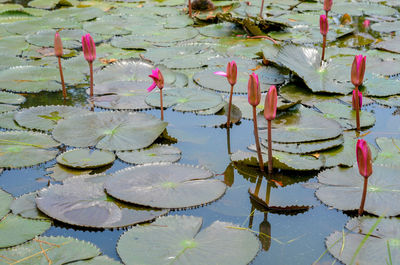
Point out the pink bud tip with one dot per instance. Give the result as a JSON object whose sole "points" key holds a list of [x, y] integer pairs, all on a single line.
{"points": [[89, 48], [271, 103], [253, 90], [221, 73], [364, 158], [328, 5]]}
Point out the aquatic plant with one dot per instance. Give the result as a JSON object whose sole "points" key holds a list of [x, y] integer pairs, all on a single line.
{"points": [[58, 51], [364, 161], [357, 76], [89, 51], [231, 76], [271, 102], [323, 28], [158, 81], [254, 97]]}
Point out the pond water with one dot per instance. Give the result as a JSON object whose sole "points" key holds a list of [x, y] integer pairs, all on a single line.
{"points": [[289, 237]]}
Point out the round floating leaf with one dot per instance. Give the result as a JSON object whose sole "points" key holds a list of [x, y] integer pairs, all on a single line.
{"points": [[391, 45], [25, 206], [294, 92], [108, 25], [45, 118], [185, 99], [23, 149], [60, 250], [281, 160], [384, 68], [7, 108], [130, 42], [5, 201], [180, 241], [7, 121], [342, 189], [221, 30], [33, 25], [85, 158], [60, 173], [81, 201], [380, 247], [170, 35], [165, 185], [153, 154], [76, 14], [359, 9], [301, 125], [13, 45], [99, 260], [110, 130], [305, 62], [381, 87], [8, 61], [345, 115], [11, 98], [390, 152], [390, 101], [178, 21], [220, 119], [15, 230]]}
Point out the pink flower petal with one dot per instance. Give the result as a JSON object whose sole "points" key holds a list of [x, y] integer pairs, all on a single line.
{"points": [[151, 87], [221, 73]]}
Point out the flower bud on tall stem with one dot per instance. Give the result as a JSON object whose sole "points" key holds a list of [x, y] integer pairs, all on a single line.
{"points": [[58, 51], [357, 76], [89, 51], [270, 106], [364, 162]]}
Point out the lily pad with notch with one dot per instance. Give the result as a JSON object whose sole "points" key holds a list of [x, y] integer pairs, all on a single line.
{"points": [[183, 242], [154, 154], [110, 130], [296, 92], [85, 158], [81, 201], [165, 185], [341, 188], [11, 98], [25, 206], [59, 172], [5, 202], [45, 118]]}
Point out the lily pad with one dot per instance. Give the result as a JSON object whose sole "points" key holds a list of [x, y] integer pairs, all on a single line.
{"points": [[381, 87], [82, 201], [389, 101], [391, 45], [342, 189], [300, 125], [383, 68], [130, 42], [110, 130], [165, 185], [390, 152], [25, 206], [45, 118], [85, 158], [11, 98], [345, 115], [184, 242], [7, 108], [33, 25], [59, 172], [5, 201], [185, 99], [24, 149], [99, 260], [108, 25], [360, 8], [380, 247], [221, 30], [295, 92], [76, 14], [15, 230], [153, 154], [60, 250]]}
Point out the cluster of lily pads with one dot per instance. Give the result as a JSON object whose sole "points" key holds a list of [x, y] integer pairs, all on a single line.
{"points": [[313, 130]]}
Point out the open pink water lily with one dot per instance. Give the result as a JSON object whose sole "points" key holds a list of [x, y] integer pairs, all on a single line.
{"points": [[158, 79], [253, 90], [353, 99], [364, 158], [358, 70], [231, 73], [89, 48], [328, 5], [323, 25], [58, 47], [271, 103]]}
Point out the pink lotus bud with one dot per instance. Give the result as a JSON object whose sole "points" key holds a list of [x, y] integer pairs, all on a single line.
{"points": [[58, 47], [158, 79], [358, 70], [328, 5], [353, 100], [231, 73], [366, 23], [271, 102], [323, 25], [89, 48], [364, 158], [253, 90]]}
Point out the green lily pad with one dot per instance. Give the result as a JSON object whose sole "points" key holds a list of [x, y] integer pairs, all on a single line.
{"points": [[220, 119], [85, 158], [389, 101], [342, 189], [185, 99], [345, 115], [130, 42], [178, 21], [33, 25], [221, 30], [13, 45], [76, 14], [24, 149], [165, 185], [121, 95], [108, 25], [153, 154], [295, 92], [110, 130], [45, 118], [390, 152], [15, 230], [99, 260], [384, 68], [381, 87], [25, 206], [8, 61], [380, 247], [359, 9], [7, 108], [184, 242], [82, 201], [60, 250], [11, 98], [306, 63], [302, 148], [300, 125], [60, 173], [281, 160], [5, 201], [48, 4], [391, 45]]}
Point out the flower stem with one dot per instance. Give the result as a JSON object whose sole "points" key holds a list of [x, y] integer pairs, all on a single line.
{"points": [[269, 147], [323, 48], [357, 110], [228, 121], [361, 210], [64, 91], [91, 79], [261, 9], [161, 105], [260, 160], [190, 8], [228, 139]]}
